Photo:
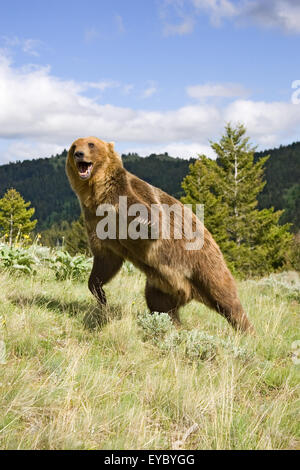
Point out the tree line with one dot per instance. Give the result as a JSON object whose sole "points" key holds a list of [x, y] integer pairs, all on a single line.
{"points": [[255, 237], [44, 183]]}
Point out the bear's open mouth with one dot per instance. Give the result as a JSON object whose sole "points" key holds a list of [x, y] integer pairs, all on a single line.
{"points": [[84, 169]]}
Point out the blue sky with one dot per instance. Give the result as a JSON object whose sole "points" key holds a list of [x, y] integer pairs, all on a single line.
{"points": [[152, 75]]}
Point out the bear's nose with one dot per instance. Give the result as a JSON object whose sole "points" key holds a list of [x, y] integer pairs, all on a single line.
{"points": [[78, 154]]}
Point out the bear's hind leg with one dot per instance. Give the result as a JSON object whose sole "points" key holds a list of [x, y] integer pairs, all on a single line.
{"points": [[223, 298], [235, 315], [162, 302]]}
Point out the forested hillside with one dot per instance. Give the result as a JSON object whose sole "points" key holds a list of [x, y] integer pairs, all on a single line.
{"points": [[162, 171], [283, 182], [44, 183]]}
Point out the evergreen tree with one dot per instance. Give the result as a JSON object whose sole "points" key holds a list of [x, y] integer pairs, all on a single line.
{"points": [[241, 181], [201, 187], [252, 240], [15, 218]]}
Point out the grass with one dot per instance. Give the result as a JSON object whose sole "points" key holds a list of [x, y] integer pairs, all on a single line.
{"points": [[66, 386]]}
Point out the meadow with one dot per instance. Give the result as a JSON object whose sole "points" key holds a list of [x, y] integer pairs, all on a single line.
{"points": [[72, 377]]}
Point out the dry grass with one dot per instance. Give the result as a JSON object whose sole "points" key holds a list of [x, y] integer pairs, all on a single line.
{"points": [[64, 386]]}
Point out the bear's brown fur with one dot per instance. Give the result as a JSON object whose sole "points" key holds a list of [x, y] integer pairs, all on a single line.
{"points": [[174, 275]]}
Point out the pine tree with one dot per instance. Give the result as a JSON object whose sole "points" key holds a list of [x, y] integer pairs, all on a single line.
{"points": [[242, 181], [252, 241], [15, 218], [200, 187]]}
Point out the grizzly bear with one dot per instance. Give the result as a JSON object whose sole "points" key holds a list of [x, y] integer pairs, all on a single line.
{"points": [[175, 275]]}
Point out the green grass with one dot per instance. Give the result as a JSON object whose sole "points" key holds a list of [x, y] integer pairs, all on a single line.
{"points": [[65, 386]]}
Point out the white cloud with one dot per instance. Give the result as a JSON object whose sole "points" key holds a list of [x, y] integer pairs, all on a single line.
{"points": [[150, 90], [216, 90], [265, 120], [186, 26], [29, 46], [281, 14], [101, 86], [186, 11], [127, 89], [175, 18], [40, 114], [175, 149], [57, 111], [216, 9], [20, 150]]}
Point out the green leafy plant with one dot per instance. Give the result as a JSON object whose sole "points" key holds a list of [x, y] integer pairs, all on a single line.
{"points": [[66, 266], [18, 260]]}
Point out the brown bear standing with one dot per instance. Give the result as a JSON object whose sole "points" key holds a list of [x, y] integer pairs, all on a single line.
{"points": [[175, 275]]}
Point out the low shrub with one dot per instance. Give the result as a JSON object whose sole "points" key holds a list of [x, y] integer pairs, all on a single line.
{"points": [[195, 345], [66, 266], [18, 260]]}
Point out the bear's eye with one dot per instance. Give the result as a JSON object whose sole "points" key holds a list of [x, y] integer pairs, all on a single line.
{"points": [[91, 145]]}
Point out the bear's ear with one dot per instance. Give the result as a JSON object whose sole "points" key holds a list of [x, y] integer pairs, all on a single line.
{"points": [[114, 156]]}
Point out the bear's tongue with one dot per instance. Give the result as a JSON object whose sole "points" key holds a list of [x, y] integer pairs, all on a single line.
{"points": [[83, 168]]}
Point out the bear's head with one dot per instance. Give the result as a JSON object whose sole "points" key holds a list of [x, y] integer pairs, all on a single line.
{"points": [[88, 156]]}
